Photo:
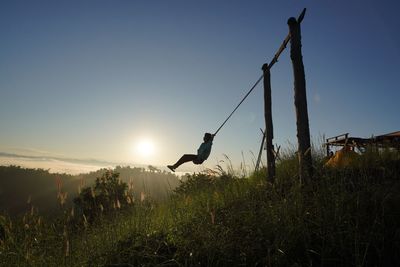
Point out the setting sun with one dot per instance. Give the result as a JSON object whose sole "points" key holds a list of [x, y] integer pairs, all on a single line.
{"points": [[144, 147]]}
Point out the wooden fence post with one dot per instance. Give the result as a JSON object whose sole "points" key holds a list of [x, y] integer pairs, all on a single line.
{"points": [[300, 102], [269, 131]]}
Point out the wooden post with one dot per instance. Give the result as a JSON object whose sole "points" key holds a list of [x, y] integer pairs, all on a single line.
{"points": [[260, 152], [328, 148], [269, 131], [300, 102]]}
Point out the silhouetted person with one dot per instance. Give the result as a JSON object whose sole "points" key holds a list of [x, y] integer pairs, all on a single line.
{"points": [[202, 153]]}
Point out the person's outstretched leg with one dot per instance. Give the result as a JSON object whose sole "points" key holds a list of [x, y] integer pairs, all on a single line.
{"points": [[183, 159]]}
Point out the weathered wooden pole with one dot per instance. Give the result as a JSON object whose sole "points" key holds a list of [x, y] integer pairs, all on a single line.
{"points": [[300, 102], [269, 130], [260, 152]]}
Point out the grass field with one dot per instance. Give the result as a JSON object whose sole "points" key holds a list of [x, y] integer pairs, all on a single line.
{"points": [[344, 217]]}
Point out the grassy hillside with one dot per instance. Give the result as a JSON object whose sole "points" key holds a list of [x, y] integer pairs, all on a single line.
{"points": [[345, 217], [20, 188]]}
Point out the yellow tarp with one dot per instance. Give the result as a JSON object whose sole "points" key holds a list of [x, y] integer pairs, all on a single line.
{"points": [[342, 158]]}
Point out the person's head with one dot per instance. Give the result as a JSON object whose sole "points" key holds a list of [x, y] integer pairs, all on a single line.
{"points": [[207, 137]]}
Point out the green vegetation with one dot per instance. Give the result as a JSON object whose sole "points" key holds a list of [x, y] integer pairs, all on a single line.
{"points": [[345, 217], [22, 188]]}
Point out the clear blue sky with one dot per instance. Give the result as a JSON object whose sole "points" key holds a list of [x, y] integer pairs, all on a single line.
{"points": [[89, 79]]}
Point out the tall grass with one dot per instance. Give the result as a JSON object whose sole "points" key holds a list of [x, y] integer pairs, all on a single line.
{"points": [[344, 217]]}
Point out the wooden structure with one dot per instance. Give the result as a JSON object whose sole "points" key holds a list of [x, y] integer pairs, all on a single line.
{"points": [[268, 135], [389, 140], [300, 102], [260, 151]]}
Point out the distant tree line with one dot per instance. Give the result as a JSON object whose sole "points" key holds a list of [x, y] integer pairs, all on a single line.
{"points": [[22, 188]]}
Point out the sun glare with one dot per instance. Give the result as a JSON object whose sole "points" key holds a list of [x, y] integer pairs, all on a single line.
{"points": [[144, 147]]}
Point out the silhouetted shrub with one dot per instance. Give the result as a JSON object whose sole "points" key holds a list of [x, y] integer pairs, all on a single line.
{"points": [[109, 193]]}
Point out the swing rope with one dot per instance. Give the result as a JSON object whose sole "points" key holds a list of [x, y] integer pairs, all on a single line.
{"points": [[248, 93], [273, 61]]}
